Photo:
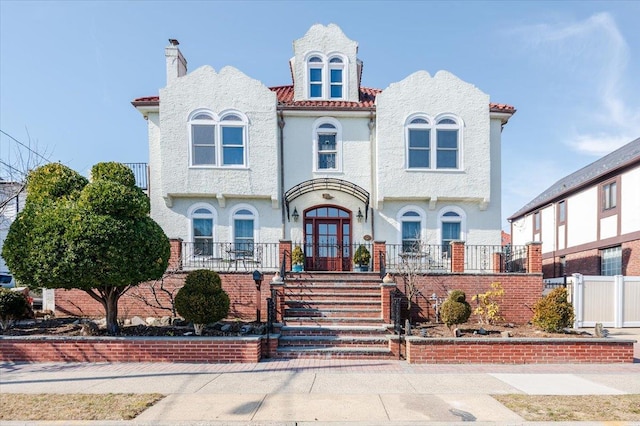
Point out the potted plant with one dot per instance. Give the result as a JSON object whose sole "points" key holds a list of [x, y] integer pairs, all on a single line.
{"points": [[361, 258], [297, 259]]}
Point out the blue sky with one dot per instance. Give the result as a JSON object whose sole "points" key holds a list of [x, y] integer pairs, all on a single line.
{"points": [[68, 70]]}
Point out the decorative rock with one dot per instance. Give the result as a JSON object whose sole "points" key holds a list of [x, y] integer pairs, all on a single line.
{"points": [[246, 329], [599, 331], [457, 332], [127, 321], [165, 320], [482, 332], [89, 328], [506, 334], [225, 328], [102, 322], [152, 321], [137, 321]]}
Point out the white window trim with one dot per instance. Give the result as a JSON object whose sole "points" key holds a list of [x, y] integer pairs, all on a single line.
{"points": [[214, 217], [422, 219], [326, 75], [217, 121], [256, 222], [339, 147], [462, 220], [433, 140]]}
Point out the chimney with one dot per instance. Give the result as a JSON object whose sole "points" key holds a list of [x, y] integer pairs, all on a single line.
{"points": [[176, 64]]}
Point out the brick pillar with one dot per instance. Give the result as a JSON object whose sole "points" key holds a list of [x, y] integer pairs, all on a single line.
{"points": [[498, 263], [284, 247], [379, 247], [534, 257], [387, 287], [175, 259], [457, 256]]}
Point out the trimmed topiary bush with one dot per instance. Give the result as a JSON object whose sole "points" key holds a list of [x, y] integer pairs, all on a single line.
{"points": [[13, 306], [553, 312], [456, 309], [202, 300]]}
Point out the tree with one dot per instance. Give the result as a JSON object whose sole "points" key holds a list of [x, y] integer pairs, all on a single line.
{"points": [[94, 236]]}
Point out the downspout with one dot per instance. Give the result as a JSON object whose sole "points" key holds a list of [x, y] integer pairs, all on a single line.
{"points": [[373, 194], [281, 166]]}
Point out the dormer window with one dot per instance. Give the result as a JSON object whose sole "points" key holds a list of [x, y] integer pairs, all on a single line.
{"points": [[315, 77], [326, 77], [336, 70]]}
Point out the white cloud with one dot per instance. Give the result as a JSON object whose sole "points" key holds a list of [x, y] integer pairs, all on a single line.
{"points": [[596, 51]]}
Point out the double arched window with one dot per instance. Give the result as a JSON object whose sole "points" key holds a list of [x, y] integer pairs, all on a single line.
{"points": [[218, 140], [326, 76], [433, 143]]}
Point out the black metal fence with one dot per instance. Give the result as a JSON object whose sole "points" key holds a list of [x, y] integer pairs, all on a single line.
{"points": [[242, 257], [141, 172]]}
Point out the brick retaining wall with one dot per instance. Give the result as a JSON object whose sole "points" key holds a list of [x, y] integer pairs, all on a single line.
{"points": [[131, 349], [517, 351]]}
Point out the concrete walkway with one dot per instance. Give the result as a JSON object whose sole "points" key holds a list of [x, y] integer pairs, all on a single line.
{"points": [[322, 392]]}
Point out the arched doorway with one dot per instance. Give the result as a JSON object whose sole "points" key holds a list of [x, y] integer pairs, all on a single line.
{"points": [[327, 236]]}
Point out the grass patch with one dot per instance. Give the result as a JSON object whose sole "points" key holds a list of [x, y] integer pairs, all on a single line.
{"points": [[112, 406], [557, 408]]}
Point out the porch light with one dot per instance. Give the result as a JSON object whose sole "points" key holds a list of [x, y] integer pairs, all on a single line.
{"points": [[295, 214], [359, 216]]}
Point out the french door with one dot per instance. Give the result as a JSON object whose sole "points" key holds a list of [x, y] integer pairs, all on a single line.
{"points": [[327, 237]]}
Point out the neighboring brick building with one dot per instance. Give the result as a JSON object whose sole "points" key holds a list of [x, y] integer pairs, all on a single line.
{"points": [[589, 221]]}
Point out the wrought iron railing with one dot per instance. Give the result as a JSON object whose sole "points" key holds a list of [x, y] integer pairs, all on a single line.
{"points": [[485, 258], [417, 258], [240, 257], [141, 172]]}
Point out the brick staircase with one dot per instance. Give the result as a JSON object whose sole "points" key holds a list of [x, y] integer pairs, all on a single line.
{"points": [[330, 315]]}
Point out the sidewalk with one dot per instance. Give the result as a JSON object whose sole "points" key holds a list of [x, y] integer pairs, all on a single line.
{"points": [[324, 392], [300, 392]]}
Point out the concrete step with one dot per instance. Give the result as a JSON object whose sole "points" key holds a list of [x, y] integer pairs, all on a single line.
{"points": [[332, 321], [336, 330], [333, 312], [333, 302], [379, 341], [333, 353]]}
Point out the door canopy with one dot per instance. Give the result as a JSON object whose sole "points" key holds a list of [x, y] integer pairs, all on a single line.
{"points": [[324, 184]]}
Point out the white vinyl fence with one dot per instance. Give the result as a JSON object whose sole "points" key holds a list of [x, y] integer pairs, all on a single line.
{"points": [[612, 301]]}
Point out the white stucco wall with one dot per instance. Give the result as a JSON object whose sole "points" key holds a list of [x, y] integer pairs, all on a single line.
{"points": [[630, 205], [480, 150], [548, 228], [325, 40], [175, 185]]}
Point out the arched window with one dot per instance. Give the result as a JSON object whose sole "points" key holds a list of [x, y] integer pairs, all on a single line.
{"points": [[327, 145], [202, 222], [316, 71], [433, 144], [447, 132], [203, 141], [232, 129], [244, 221], [218, 142], [419, 143], [412, 222], [452, 222], [336, 68]]}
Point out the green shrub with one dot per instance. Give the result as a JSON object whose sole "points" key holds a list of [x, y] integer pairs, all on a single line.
{"points": [[553, 312], [112, 171], [13, 306], [297, 256], [202, 300], [362, 256], [456, 309]]}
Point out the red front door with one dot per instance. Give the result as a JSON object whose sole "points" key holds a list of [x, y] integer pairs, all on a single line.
{"points": [[327, 239]]}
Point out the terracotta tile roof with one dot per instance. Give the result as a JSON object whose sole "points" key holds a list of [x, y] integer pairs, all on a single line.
{"points": [[285, 100]]}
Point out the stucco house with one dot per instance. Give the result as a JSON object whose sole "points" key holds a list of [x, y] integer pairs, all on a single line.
{"points": [[324, 162], [589, 221]]}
